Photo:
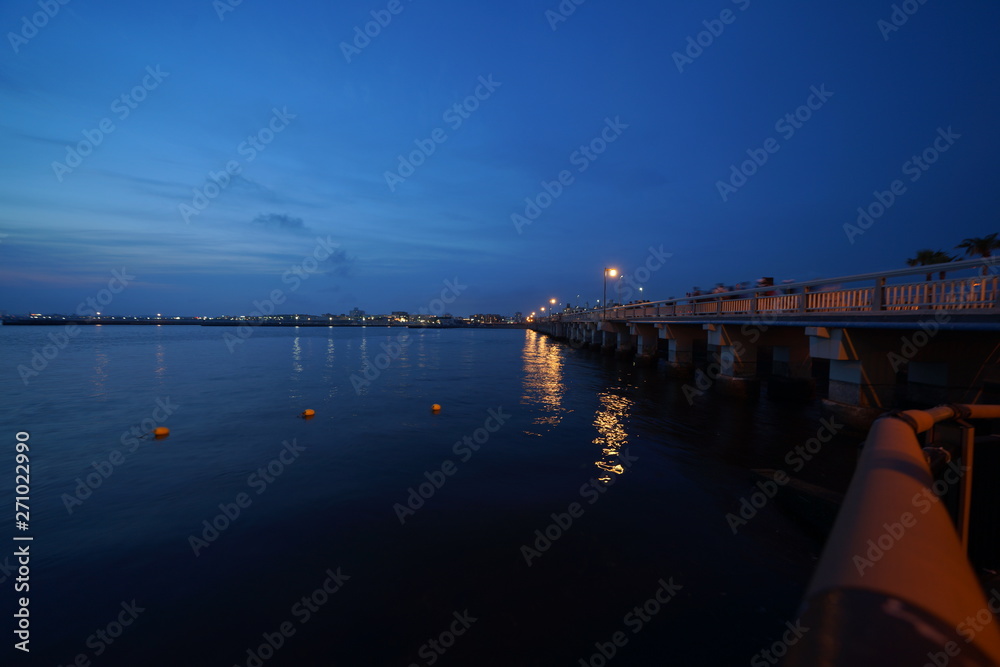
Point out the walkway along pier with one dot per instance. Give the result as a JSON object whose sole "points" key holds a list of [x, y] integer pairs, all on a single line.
{"points": [[891, 338]]}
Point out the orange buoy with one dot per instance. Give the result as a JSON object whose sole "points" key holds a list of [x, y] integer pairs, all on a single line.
{"points": [[308, 414], [435, 408], [160, 432]]}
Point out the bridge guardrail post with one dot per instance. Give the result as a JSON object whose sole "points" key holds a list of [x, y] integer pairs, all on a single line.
{"points": [[878, 294]]}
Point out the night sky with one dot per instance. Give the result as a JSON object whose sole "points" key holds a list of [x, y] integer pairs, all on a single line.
{"points": [[205, 147]]}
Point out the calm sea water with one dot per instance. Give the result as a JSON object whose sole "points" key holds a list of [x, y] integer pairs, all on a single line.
{"points": [[326, 496]]}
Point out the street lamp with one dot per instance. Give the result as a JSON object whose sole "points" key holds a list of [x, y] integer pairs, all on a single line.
{"points": [[607, 272]]}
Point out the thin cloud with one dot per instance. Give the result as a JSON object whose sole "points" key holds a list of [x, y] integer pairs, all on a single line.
{"points": [[280, 221]]}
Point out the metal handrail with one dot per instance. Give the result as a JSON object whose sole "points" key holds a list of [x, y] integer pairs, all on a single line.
{"points": [[894, 575]]}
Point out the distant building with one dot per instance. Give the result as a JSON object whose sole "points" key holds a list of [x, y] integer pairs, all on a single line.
{"points": [[356, 313], [487, 319]]}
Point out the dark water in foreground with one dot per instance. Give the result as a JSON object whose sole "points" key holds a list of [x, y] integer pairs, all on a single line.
{"points": [[568, 418]]}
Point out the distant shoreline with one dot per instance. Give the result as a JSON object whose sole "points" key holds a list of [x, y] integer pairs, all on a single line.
{"points": [[95, 321]]}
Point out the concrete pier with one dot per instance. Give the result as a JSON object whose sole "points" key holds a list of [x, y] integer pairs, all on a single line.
{"points": [[891, 339]]}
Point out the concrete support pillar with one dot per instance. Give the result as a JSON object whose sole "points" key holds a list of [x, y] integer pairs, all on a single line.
{"points": [[647, 343], [576, 334], [626, 341], [609, 337], [735, 354], [791, 369], [680, 347], [792, 362], [862, 379]]}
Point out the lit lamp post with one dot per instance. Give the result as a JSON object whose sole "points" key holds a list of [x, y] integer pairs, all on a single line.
{"points": [[553, 308], [612, 273]]}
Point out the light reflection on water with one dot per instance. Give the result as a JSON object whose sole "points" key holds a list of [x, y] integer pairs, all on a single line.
{"points": [[161, 362], [543, 379], [100, 375], [297, 354], [612, 438]]}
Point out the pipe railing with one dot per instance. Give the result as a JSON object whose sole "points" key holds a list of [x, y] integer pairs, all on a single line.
{"points": [[894, 585]]}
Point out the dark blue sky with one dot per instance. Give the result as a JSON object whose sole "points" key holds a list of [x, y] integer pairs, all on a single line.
{"points": [[329, 130]]}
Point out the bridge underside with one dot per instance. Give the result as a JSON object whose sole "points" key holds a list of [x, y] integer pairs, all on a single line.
{"points": [[875, 363]]}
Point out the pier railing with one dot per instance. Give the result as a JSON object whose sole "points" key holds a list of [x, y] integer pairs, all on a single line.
{"points": [[894, 584], [901, 292]]}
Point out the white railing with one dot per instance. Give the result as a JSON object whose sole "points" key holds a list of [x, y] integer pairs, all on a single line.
{"points": [[977, 291]]}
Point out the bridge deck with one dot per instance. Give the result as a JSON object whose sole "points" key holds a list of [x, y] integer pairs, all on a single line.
{"points": [[885, 300]]}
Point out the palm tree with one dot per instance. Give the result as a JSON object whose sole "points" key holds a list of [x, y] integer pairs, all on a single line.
{"points": [[981, 247], [927, 257]]}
